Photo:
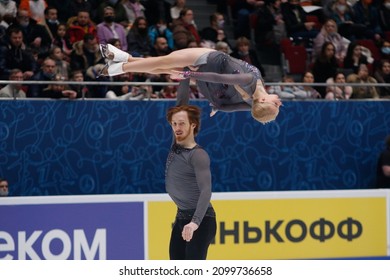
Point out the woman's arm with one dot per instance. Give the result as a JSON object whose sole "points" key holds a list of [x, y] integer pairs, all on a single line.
{"points": [[229, 79]]}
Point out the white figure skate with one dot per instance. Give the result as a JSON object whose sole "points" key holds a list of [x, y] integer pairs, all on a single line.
{"points": [[113, 54]]}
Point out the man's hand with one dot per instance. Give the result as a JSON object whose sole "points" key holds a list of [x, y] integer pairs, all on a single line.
{"points": [[177, 75], [188, 231]]}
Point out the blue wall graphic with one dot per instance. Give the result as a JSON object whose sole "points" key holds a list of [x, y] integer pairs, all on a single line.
{"points": [[112, 147]]}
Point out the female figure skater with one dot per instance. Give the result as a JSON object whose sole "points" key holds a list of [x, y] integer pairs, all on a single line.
{"points": [[229, 84]]}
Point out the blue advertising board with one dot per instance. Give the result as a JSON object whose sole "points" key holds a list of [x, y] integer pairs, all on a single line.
{"points": [[101, 231]]}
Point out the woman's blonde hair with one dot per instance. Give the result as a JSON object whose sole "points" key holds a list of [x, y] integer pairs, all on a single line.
{"points": [[264, 112]]}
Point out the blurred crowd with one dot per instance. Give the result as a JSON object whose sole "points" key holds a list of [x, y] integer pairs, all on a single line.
{"points": [[343, 41], [49, 40]]}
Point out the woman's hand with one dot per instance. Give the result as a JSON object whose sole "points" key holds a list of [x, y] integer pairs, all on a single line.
{"points": [[213, 111]]}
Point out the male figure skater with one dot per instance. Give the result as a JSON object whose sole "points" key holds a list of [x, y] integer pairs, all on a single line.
{"points": [[188, 183]]}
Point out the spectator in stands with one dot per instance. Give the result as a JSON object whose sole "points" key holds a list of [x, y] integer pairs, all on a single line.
{"points": [[169, 91], [4, 187], [297, 26], [58, 90], [329, 33], [161, 29], [85, 53], [215, 31], [109, 29], [367, 14], [184, 30], [160, 47], [15, 55], [342, 14], [363, 77], [122, 92], [62, 66], [244, 52], [51, 22], [176, 8], [382, 75], [385, 50], [244, 9], [292, 91], [79, 26], [338, 92], [223, 47], [193, 44], [138, 40], [384, 15], [62, 40], [80, 88], [134, 9], [285, 91], [354, 57], [82, 5], [145, 90], [46, 73], [383, 167], [120, 12], [92, 75], [325, 66], [308, 91], [35, 35], [270, 27], [14, 90], [63, 9], [115, 42], [156, 10], [35, 9], [207, 44], [8, 7]]}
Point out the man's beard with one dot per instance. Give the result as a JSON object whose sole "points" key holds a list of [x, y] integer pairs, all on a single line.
{"points": [[183, 136]]}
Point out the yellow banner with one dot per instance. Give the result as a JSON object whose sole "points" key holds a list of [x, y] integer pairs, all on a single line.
{"points": [[283, 228]]}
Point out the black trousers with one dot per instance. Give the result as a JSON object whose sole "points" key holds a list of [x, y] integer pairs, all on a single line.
{"points": [[197, 247]]}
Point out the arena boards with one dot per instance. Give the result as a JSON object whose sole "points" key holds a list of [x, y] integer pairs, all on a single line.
{"points": [[251, 226]]}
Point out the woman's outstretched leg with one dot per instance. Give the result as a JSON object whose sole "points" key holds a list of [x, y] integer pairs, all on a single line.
{"points": [[160, 64]]}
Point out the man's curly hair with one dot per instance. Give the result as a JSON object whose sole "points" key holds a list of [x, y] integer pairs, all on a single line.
{"points": [[194, 113]]}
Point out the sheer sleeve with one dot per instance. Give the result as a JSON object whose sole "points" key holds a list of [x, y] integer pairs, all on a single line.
{"points": [[201, 163], [229, 79], [183, 92]]}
